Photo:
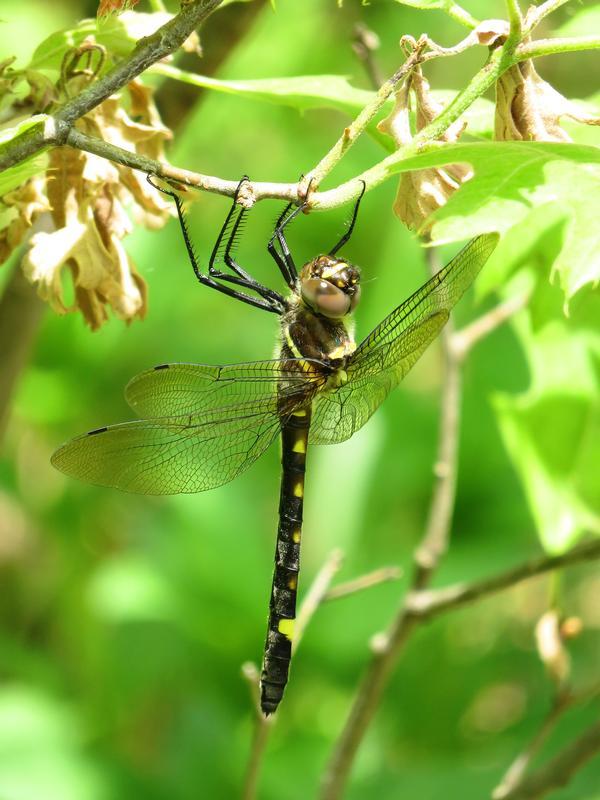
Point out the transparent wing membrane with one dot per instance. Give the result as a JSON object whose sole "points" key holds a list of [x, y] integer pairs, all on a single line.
{"points": [[382, 360], [202, 425], [216, 421]]}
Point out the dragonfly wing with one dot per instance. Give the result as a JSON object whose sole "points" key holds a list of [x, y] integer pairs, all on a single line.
{"points": [[382, 360], [339, 414], [440, 293], [172, 389], [231, 416]]}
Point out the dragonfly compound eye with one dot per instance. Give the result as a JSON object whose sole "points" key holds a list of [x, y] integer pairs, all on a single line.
{"points": [[325, 298]]}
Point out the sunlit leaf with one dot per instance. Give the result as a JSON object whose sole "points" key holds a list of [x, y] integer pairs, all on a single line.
{"points": [[514, 178], [118, 34], [552, 431]]}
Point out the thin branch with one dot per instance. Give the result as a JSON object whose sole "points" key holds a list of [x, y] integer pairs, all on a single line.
{"points": [[461, 16], [426, 558], [437, 531], [316, 594], [354, 130], [431, 603], [197, 180], [381, 575], [148, 50], [549, 47], [365, 43], [465, 339], [536, 14], [559, 770], [564, 701], [516, 20]]}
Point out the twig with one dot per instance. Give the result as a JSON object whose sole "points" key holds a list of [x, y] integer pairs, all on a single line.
{"points": [[148, 50], [437, 531], [354, 130], [560, 769], [382, 575], [536, 14], [549, 47], [316, 594], [516, 20], [365, 44], [465, 339], [563, 702], [461, 15], [426, 559], [431, 603]]}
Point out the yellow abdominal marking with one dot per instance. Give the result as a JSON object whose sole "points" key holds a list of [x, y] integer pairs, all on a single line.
{"points": [[286, 626], [301, 412], [300, 444], [296, 536], [292, 583], [299, 489]]}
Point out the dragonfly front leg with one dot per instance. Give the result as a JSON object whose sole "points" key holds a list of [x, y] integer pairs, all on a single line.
{"points": [[282, 607]]}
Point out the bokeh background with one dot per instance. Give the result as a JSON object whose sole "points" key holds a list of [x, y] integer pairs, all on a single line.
{"points": [[124, 620]]}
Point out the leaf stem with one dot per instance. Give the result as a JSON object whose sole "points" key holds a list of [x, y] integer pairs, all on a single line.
{"points": [[549, 47], [462, 16]]}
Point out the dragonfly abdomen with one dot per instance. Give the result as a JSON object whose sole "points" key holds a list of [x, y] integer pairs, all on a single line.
{"points": [[282, 607]]}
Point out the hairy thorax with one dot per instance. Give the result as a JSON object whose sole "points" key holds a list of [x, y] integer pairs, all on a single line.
{"points": [[305, 334]]}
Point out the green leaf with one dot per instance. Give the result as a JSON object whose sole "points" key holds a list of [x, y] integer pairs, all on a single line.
{"points": [[302, 92], [309, 92], [15, 176], [511, 180], [119, 34], [552, 431]]}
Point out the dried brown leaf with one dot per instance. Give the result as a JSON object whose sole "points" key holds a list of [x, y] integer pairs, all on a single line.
{"points": [[530, 109], [421, 192], [551, 647]]}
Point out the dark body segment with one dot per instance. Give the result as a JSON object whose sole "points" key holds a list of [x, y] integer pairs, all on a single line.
{"points": [[304, 335], [282, 606]]}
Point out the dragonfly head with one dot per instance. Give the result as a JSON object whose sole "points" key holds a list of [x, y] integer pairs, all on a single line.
{"points": [[330, 286]]}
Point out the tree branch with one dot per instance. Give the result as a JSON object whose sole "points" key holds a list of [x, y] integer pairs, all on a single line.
{"points": [[382, 575], [537, 13], [147, 51], [560, 769], [354, 130], [565, 700], [549, 47], [426, 558], [465, 339], [428, 604]]}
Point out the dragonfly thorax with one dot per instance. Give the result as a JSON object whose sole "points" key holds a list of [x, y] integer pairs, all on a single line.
{"points": [[330, 286]]}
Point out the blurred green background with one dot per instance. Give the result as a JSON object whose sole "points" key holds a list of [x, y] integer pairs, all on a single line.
{"points": [[125, 620]]}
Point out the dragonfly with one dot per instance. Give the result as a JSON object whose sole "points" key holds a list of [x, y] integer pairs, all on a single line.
{"points": [[201, 426]]}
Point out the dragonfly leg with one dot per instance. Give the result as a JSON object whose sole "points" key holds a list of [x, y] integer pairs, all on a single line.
{"points": [[285, 263], [267, 300], [348, 233]]}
